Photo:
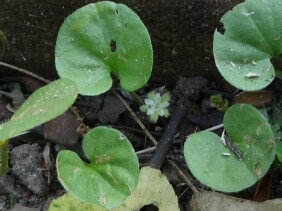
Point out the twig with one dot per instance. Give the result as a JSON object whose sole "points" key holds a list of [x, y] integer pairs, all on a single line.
{"points": [[183, 176], [215, 127], [24, 71], [135, 118], [135, 130], [167, 138], [150, 149]]}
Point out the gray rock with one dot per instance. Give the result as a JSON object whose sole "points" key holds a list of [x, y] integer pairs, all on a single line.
{"points": [[26, 163], [111, 110]]}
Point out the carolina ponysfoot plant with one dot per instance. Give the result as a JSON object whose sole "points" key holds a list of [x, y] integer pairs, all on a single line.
{"points": [[253, 35], [100, 39], [111, 175], [156, 105], [222, 169], [94, 42], [43, 105]]}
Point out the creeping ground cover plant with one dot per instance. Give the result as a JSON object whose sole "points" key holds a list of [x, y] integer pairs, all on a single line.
{"points": [[94, 42], [247, 147]]}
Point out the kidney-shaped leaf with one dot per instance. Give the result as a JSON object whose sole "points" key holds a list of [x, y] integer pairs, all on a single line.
{"points": [[253, 35], [111, 175], [43, 105], [216, 166], [100, 39]]}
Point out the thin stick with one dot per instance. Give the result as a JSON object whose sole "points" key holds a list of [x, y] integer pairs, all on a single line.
{"points": [[150, 149], [183, 176], [214, 128], [24, 71], [167, 137], [135, 118]]}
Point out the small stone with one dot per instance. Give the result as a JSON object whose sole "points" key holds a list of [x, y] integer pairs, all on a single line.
{"points": [[62, 130], [26, 163]]}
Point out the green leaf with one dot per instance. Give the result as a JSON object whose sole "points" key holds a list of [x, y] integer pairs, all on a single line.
{"points": [[110, 177], [43, 105], [216, 166], [252, 36], [100, 39], [69, 203]]}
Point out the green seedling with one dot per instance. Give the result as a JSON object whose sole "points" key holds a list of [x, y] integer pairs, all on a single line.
{"points": [[100, 39], [43, 105], [253, 35], [94, 42], [220, 167], [219, 103], [111, 175], [156, 105]]}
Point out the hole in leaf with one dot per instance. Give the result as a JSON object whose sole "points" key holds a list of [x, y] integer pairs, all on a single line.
{"points": [[149, 207], [126, 25], [113, 45], [117, 12], [220, 28], [277, 62]]}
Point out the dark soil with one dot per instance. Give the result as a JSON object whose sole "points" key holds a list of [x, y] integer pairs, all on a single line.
{"points": [[31, 180]]}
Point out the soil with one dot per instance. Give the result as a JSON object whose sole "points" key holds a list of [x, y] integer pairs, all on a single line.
{"points": [[32, 182]]}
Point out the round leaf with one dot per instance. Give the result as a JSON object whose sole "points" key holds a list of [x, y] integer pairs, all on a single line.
{"points": [[100, 39], [110, 177], [252, 36], [216, 166], [43, 105]]}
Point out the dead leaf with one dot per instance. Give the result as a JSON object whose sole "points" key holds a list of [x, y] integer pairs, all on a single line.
{"points": [[153, 188]]}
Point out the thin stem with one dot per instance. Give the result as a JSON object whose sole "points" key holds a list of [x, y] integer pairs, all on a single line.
{"points": [[24, 71], [137, 98], [3, 158], [183, 176], [150, 149], [135, 118], [215, 127]]}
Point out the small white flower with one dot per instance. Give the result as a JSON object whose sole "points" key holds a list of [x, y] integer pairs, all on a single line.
{"points": [[156, 105]]}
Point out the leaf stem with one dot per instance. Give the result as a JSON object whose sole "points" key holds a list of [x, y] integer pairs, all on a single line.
{"points": [[3, 158]]}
